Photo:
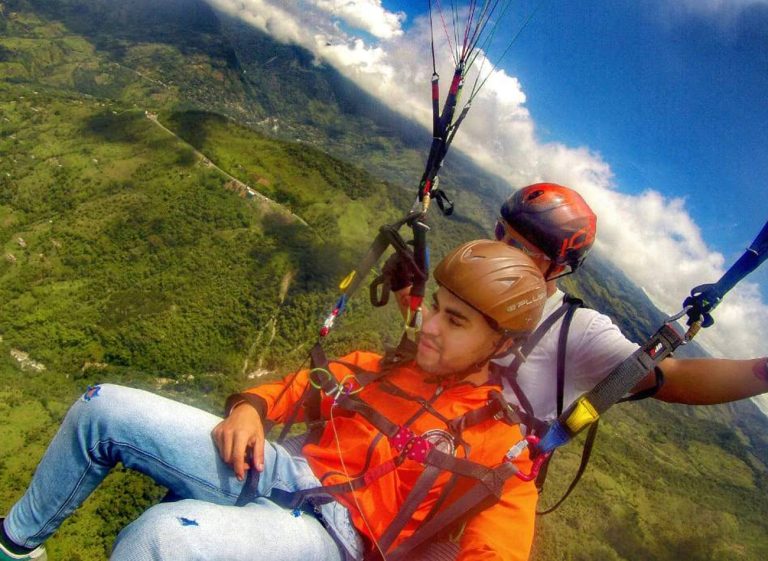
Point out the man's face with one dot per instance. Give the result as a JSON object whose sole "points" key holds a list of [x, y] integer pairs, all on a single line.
{"points": [[454, 336]]}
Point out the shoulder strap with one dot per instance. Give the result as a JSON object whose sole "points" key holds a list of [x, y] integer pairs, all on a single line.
{"points": [[570, 303], [509, 372], [545, 326]]}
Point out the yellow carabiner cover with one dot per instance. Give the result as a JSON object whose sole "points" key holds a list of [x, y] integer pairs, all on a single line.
{"points": [[583, 414]]}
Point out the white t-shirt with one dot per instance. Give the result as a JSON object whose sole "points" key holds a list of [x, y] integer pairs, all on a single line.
{"points": [[595, 347]]}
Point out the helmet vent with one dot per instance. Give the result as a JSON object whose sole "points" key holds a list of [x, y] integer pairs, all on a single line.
{"points": [[534, 195], [509, 281], [470, 255]]}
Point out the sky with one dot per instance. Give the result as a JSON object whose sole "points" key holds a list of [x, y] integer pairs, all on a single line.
{"points": [[654, 111]]}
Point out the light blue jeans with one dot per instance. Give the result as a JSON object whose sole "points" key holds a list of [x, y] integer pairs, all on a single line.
{"points": [[171, 442]]}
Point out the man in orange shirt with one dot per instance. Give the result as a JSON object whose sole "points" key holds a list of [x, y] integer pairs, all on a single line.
{"points": [[407, 447]]}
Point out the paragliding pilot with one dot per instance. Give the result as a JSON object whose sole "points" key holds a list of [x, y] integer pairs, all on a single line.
{"points": [[405, 451]]}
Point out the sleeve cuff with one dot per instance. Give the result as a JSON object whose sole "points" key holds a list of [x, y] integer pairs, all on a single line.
{"points": [[253, 400]]}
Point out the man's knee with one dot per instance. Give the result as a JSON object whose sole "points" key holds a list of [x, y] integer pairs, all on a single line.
{"points": [[161, 533], [104, 403]]}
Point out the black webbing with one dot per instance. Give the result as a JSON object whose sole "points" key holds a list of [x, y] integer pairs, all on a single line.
{"points": [[509, 372], [425, 403], [545, 326], [460, 466], [586, 453], [487, 490], [356, 405], [416, 495], [527, 414], [325, 493], [449, 487], [250, 488], [310, 399], [497, 406], [562, 347], [649, 392], [627, 375]]}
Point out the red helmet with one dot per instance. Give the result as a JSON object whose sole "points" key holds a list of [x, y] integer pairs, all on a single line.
{"points": [[555, 219]]}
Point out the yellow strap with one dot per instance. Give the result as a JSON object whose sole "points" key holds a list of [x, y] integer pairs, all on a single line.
{"points": [[347, 280]]}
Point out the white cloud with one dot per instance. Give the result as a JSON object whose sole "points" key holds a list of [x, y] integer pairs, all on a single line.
{"points": [[367, 15], [280, 21], [726, 14], [356, 58], [651, 237], [715, 7], [302, 21]]}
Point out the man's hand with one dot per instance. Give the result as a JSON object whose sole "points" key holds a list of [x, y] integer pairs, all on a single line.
{"points": [[397, 272], [238, 434]]}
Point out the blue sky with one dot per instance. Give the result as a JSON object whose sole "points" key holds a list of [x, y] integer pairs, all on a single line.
{"points": [[673, 100]]}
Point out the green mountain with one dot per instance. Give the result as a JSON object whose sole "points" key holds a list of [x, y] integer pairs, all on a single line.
{"points": [[179, 196]]}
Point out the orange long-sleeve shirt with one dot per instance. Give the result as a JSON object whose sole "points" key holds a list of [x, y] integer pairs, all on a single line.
{"points": [[503, 531]]}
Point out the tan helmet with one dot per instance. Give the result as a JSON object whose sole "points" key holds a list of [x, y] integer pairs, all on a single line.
{"points": [[498, 280]]}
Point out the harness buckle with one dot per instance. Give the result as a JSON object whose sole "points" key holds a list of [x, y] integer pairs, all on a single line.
{"points": [[413, 447]]}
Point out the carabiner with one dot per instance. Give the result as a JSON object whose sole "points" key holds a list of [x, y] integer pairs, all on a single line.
{"points": [[529, 441]]}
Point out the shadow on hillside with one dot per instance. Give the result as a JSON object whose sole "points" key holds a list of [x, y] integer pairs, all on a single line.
{"points": [[115, 127], [320, 263], [188, 25], [191, 126]]}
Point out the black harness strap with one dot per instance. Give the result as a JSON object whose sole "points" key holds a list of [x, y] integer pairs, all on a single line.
{"points": [[496, 408], [449, 487], [649, 392], [460, 466], [404, 351], [534, 425], [536, 336], [382, 424], [483, 493], [586, 453], [310, 399], [562, 347], [417, 494], [327, 493], [510, 372], [397, 392]]}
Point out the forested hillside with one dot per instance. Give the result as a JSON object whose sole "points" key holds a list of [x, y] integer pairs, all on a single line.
{"points": [[180, 196]]}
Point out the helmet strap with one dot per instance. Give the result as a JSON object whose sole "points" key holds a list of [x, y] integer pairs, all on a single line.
{"points": [[550, 274]]}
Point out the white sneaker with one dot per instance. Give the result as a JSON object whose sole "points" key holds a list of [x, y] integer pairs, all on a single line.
{"points": [[37, 554]]}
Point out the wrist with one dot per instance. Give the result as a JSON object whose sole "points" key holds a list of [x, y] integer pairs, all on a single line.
{"points": [[761, 369], [252, 400]]}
